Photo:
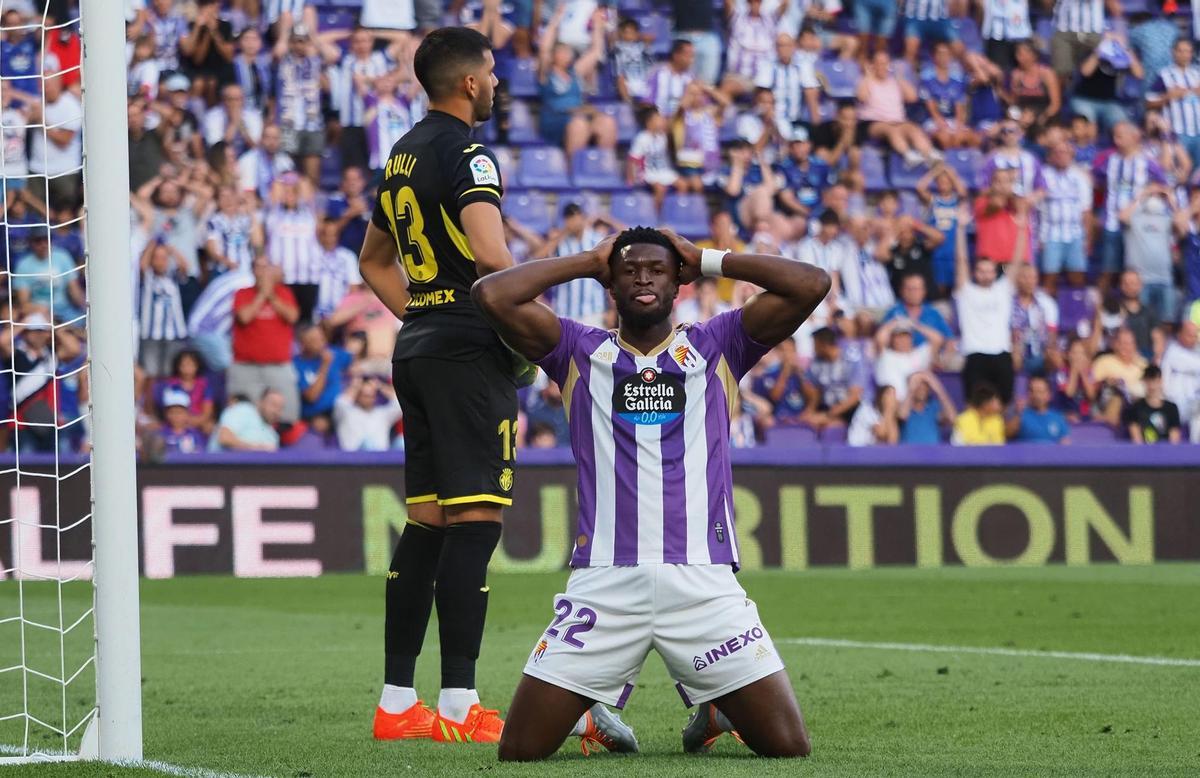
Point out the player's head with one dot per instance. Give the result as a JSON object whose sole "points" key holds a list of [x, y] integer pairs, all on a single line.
{"points": [[457, 63], [645, 276]]}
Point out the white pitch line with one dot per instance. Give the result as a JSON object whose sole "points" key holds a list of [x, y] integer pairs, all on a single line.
{"points": [[165, 768], [1129, 659]]}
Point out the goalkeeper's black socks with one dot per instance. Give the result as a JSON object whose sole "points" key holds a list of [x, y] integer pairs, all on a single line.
{"points": [[409, 600], [462, 596]]}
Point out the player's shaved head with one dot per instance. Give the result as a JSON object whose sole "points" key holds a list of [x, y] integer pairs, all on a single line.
{"points": [[446, 56]]}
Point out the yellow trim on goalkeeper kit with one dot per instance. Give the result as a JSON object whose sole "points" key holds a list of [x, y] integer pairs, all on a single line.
{"points": [[476, 498], [420, 499]]}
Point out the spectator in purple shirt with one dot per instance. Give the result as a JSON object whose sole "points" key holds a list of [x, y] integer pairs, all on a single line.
{"points": [[833, 384], [178, 432]]}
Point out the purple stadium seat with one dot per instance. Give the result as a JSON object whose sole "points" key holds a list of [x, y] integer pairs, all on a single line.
{"points": [[840, 78], [968, 32], [522, 77], [911, 205], [596, 169], [634, 7], [1020, 386], [1092, 433], [966, 163], [633, 207], [1074, 309], [486, 132], [728, 132], [833, 436], [543, 167], [872, 168], [522, 129], [954, 388], [659, 26], [901, 175], [508, 163], [687, 214], [331, 168], [529, 208], [337, 19], [902, 69], [791, 437], [622, 113], [589, 201]]}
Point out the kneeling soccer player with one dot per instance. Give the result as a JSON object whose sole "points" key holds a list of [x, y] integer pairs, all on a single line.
{"points": [[655, 557]]}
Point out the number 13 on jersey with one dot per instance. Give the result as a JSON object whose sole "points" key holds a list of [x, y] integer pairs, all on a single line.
{"points": [[408, 229]]}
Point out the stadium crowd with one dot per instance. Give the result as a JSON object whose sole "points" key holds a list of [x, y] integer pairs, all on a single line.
{"points": [[1007, 197]]}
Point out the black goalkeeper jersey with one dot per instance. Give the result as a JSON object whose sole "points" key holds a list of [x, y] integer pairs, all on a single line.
{"points": [[431, 174]]}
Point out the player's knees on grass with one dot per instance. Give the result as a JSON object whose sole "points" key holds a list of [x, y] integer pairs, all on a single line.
{"points": [[782, 742], [515, 747]]}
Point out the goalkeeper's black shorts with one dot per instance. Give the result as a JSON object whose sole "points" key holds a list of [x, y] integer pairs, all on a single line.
{"points": [[460, 427]]}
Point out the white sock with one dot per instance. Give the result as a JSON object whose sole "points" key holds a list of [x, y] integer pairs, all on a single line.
{"points": [[454, 704], [397, 699], [580, 726]]}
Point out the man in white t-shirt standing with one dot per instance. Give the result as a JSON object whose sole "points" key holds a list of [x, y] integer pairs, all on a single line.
{"points": [[1181, 375], [57, 152], [985, 301]]}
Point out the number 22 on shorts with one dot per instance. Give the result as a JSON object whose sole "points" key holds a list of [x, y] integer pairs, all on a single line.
{"points": [[587, 620]]}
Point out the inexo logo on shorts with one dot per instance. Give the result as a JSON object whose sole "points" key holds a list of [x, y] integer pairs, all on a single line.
{"points": [[731, 646]]}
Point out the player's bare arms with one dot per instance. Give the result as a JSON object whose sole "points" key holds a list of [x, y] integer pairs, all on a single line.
{"points": [[644, 273]]}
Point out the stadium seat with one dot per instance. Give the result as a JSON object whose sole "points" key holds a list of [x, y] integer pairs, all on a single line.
{"points": [[954, 388], [840, 78], [337, 19], [522, 77], [833, 436], [911, 205], [728, 131], [1075, 311], [529, 208], [522, 128], [686, 213], [622, 114], [968, 32], [543, 167], [1093, 433], [508, 163], [872, 168], [901, 175], [659, 26], [966, 163], [330, 176], [791, 436], [596, 169], [633, 207], [634, 7]]}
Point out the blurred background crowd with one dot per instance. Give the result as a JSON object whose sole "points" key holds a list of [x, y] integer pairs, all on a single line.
{"points": [[1006, 194]]}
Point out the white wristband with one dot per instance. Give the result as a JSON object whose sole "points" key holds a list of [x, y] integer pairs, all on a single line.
{"points": [[711, 262]]}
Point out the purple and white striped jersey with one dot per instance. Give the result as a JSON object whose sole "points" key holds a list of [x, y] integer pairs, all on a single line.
{"points": [[751, 43], [1006, 20], [1124, 178], [1085, 16], [666, 88], [1068, 197], [292, 243], [1183, 113], [1029, 170], [932, 10], [650, 435]]}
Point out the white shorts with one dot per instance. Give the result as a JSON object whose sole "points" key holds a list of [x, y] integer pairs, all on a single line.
{"points": [[697, 617]]}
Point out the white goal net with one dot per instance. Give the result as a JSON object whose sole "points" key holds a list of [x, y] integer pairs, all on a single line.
{"points": [[67, 523]]}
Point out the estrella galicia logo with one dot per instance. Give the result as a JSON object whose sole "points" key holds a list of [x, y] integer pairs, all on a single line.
{"points": [[649, 397], [731, 646]]}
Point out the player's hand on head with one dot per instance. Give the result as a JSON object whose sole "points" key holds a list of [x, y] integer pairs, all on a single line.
{"points": [[603, 253], [690, 252]]}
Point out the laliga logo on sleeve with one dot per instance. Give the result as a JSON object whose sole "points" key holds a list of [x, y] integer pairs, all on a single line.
{"points": [[649, 397], [483, 171]]}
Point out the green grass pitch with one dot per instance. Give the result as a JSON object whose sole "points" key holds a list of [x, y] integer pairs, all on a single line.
{"points": [[280, 677]]}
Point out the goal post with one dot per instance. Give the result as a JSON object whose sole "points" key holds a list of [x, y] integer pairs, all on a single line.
{"points": [[110, 301], [70, 656]]}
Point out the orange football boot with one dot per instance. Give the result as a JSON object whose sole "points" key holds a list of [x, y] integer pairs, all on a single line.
{"points": [[416, 723], [481, 726]]}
